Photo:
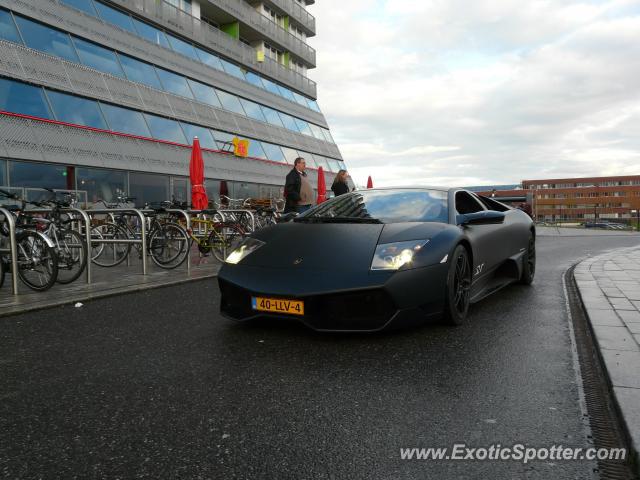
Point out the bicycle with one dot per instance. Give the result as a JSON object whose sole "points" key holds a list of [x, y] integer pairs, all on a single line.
{"points": [[70, 246], [167, 241], [215, 236], [36, 256]]}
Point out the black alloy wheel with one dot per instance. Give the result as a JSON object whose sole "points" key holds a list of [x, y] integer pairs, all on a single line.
{"points": [[458, 287], [529, 262]]}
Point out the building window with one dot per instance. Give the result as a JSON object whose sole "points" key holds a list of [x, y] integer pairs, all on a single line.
{"points": [[204, 93], [298, 67], [3, 172], [97, 57], [165, 129], [125, 120], [296, 32], [184, 5], [148, 187], [8, 30], [47, 39], [101, 184], [275, 17], [116, 17], [40, 175], [273, 53], [140, 72], [76, 110], [21, 98], [180, 190]]}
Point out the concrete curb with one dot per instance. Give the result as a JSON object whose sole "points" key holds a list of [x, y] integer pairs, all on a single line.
{"points": [[79, 296], [610, 296]]}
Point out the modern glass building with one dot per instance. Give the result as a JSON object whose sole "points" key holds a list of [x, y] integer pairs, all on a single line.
{"points": [[105, 96]]}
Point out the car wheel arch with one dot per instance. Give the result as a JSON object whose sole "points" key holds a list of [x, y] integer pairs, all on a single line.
{"points": [[467, 245]]}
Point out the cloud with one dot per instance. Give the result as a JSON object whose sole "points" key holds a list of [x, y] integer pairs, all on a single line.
{"points": [[494, 91]]}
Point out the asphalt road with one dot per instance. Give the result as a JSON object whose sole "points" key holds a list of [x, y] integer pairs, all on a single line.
{"points": [[156, 385]]}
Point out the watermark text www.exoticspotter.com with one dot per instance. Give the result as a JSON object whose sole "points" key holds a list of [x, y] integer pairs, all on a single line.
{"points": [[518, 452]]}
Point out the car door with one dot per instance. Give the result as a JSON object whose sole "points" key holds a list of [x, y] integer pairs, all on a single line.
{"points": [[486, 241]]}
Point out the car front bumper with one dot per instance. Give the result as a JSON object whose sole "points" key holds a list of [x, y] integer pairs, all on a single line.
{"points": [[366, 302]]}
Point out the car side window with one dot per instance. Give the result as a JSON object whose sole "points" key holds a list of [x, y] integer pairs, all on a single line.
{"points": [[492, 204], [465, 203]]}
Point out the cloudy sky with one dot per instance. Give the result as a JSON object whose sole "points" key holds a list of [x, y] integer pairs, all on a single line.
{"points": [[473, 92]]}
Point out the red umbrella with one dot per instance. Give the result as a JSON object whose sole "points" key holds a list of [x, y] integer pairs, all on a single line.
{"points": [[369, 182], [199, 200], [322, 187]]}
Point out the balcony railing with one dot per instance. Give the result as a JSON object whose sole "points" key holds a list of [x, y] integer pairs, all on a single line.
{"points": [[250, 16], [191, 27], [298, 12]]}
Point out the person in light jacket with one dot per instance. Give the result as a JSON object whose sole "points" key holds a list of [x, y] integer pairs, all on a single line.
{"points": [[297, 189]]}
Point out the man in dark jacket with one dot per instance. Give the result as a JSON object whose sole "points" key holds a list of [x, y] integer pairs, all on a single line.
{"points": [[297, 189]]}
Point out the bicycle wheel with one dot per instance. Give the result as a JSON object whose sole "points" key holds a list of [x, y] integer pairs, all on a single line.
{"points": [[109, 254], [224, 239], [72, 256], [168, 245], [37, 261], [1, 271]]}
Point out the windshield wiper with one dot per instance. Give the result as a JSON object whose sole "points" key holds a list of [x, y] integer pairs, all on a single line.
{"points": [[337, 220]]}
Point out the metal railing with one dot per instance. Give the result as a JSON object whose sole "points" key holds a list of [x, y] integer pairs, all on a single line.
{"points": [[298, 12], [187, 219], [143, 232], [13, 249], [83, 221]]}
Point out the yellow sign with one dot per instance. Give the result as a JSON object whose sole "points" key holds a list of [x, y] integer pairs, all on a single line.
{"points": [[260, 55], [240, 147]]}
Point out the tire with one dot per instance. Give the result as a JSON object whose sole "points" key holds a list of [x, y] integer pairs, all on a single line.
{"points": [[457, 292], [225, 238], [169, 246], [109, 254], [72, 256], [529, 262], [37, 261]]}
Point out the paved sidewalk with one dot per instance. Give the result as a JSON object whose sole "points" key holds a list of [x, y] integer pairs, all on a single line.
{"points": [[105, 282], [609, 286]]}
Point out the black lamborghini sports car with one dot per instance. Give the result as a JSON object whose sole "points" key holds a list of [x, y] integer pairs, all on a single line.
{"points": [[380, 258]]}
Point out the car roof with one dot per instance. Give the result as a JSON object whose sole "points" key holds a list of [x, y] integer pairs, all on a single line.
{"points": [[413, 187]]}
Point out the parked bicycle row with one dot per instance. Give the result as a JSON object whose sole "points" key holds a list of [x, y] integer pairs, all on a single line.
{"points": [[53, 240]]}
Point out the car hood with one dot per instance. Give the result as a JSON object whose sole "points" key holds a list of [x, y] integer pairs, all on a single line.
{"points": [[340, 247], [317, 246]]}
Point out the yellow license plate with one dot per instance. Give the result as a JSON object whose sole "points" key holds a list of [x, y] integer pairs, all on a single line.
{"points": [[278, 305]]}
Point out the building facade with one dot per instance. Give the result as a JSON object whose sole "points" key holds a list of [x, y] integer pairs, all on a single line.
{"points": [[580, 199], [106, 96]]}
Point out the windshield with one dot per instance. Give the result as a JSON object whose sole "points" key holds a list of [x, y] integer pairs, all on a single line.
{"points": [[386, 206]]}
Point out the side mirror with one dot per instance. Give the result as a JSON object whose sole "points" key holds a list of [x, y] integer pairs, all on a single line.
{"points": [[489, 217]]}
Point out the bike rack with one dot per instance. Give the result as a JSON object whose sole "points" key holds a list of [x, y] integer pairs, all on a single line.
{"points": [[13, 249], [188, 224], [187, 219], [87, 234], [143, 231]]}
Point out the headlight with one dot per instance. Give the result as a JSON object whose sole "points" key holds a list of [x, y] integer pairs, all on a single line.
{"points": [[247, 247], [392, 256]]}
